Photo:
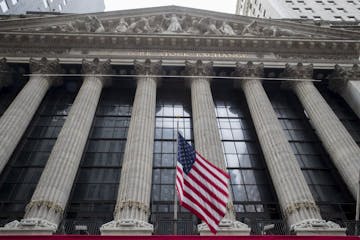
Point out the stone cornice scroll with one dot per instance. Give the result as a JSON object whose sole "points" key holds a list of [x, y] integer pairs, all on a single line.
{"points": [[148, 67], [339, 78], [5, 73], [199, 68], [46, 67]]}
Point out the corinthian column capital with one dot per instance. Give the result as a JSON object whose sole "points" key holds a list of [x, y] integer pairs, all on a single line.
{"points": [[199, 68], [45, 66], [5, 73], [96, 67], [341, 75], [148, 67], [249, 70], [299, 71]]}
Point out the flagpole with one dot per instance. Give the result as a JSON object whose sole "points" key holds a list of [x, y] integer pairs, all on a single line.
{"points": [[175, 195]]}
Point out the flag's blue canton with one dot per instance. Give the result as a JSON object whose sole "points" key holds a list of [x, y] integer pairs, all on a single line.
{"points": [[186, 154]]}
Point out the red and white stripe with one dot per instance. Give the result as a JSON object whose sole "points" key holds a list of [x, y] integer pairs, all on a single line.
{"points": [[204, 191]]}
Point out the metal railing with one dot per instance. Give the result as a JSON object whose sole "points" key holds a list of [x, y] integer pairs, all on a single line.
{"points": [[189, 227]]}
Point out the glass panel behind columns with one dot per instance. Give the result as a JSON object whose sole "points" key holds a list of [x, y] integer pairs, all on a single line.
{"points": [[342, 111], [94, 193], [328, 188], [173, 105], [255, 200], [20, 176]]}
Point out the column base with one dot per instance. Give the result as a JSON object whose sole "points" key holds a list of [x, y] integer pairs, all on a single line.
{"points": [[317, 227], [31, 226], [127, 227], [226, 227]]}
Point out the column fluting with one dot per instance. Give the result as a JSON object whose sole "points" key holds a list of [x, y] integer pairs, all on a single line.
{"points": [[296, 200], [341, 147], [53, 190], [133, 202], [206, 133], [18, 115]]}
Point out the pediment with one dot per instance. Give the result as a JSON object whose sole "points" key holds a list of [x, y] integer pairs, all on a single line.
{"points": [[171, 20]]}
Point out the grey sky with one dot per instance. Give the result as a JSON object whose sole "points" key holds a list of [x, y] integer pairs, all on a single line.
{"points": [[227, 6]]}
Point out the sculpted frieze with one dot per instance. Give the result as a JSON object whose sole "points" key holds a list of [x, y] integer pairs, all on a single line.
{"points": [[172, 24]]}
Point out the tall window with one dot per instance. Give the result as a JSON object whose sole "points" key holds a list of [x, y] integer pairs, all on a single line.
{"points": [[21, 175], [326, 185], [253, 195], [173, 107], [95, 190]]}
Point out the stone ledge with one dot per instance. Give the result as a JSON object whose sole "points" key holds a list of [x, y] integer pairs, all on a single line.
{"points": [[127, 227], [317, 227], [226, 227], [29, 227]]}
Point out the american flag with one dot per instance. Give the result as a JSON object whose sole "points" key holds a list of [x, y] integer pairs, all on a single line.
{"points": [[202, 187]]}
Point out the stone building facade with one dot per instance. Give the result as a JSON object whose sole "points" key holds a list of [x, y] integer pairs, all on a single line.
{"points": [[90, 105]]}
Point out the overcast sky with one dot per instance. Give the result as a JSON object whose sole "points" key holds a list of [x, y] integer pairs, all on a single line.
{"points": [[227, 6]]}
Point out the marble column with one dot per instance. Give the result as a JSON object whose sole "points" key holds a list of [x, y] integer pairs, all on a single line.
{"points": [[132, 210], [207, 137], [5, 74], [18, 115], [346, 82], [342, 149], [44, 212], [296, 201]]}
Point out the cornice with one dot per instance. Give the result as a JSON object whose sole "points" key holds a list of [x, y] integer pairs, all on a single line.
{"points": [[28, 40]]}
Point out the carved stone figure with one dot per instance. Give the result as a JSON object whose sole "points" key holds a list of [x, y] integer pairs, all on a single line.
{"points": [[193, 25], [122, 27], [274, 31], [140, 26], [226, 29], [93, 24], [211, 27], [175, 25], [252, 29]]}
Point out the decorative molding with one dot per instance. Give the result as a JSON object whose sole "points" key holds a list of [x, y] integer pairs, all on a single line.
{"points": [[43, 203], [296, 206], [298, 71], [249, 70], [31, 224], [45, 67], [314, 224], [173, 23], [340, 76], [148, 67], [132, 204], [96, 67], [226, 227], [199, 68], [127, 227]]}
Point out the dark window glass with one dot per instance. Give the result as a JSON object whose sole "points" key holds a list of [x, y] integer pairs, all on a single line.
{"points": [[172, 109], [20, 177], [251, 186], [96, 185], [326, 185]]}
